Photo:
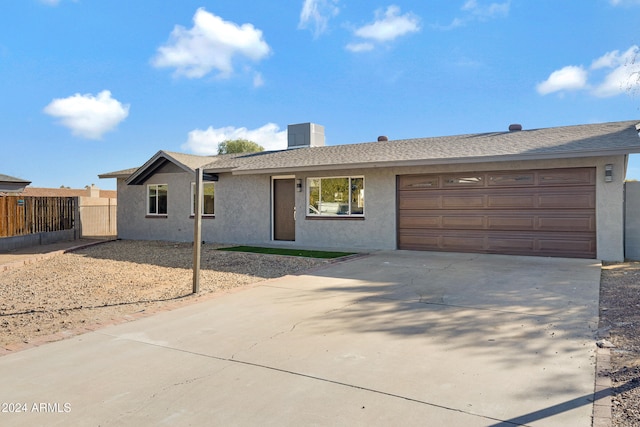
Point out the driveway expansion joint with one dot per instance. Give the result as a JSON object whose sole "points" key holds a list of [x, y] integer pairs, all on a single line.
{"points": [[317, 378]]}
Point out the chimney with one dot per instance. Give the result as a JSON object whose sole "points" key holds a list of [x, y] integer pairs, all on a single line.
{"points": [[305, 135], [382, 138], [515, 127], [92, 191]]}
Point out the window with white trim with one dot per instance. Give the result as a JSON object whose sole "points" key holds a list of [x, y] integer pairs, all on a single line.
{"points": [[207, 199], [157, 199], [335, 196]]}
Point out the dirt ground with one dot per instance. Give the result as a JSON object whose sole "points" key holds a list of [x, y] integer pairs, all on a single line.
{"points": [[620, 324], [123, 280]]}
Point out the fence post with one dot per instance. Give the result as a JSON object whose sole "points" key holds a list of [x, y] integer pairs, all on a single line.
{"points": [[76, 221]]}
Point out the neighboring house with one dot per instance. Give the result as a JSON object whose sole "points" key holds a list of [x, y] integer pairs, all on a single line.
{"points": [[89, 191], [548, 192], [10, 184]]}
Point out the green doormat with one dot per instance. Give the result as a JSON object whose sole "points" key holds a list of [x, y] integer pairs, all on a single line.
{"points": [[289, 252]]}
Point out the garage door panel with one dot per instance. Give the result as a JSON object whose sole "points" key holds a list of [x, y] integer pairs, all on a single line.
{"points": [[512, 222], [509, 243], [511, 201], [418, 182], [418, 240], [566, 246], [532, 243], [420, 221], [537, 212], [458, 243], [452, 201], [575, 176], [416, 201], [462, 222], [567, 223], [502, 220], [567, 201]]}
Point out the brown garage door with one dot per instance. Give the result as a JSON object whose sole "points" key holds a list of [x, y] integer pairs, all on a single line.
{"points": [[535, 212]]}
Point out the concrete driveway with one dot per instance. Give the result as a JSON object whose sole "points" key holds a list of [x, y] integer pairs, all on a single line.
{"points": [[395, 338]]}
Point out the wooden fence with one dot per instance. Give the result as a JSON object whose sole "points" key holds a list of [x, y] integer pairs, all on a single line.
{"points": [[20, 216]]}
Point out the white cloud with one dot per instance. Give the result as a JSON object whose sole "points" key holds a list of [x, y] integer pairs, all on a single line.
{"points": [[205, 142], [567, 78], [622, 72], [615, 73], [88, 116], [211, 44], [316, 14], [389, 25]]}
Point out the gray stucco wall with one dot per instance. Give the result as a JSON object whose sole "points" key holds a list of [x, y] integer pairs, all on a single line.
{"points": [[242, 207], [133, 222], [632, 220], [244, 212]]}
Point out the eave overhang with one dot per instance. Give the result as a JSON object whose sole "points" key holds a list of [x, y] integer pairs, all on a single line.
{"points": [[432, 162]]}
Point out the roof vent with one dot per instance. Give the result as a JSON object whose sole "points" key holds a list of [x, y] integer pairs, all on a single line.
{"points": [[382, 138], [515, 127]]}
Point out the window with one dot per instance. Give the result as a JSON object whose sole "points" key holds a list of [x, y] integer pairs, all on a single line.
{"points": [[207, 199], [157, 199], [340, 196], [464, 180]]}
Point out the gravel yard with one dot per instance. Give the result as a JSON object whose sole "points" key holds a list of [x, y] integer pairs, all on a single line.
{"points": [[620, 319], [117, 281]]}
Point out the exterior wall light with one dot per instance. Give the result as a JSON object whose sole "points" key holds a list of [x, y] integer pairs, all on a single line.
{"points": [[608, 173], [298, 185]]}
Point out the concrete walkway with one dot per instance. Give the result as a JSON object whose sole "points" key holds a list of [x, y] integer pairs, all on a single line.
{"points": [[396, 338]]}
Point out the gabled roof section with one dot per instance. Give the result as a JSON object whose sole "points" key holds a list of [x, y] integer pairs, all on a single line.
{"points": [[561, 142], [11, 184], [187, 162], [12, 179]]}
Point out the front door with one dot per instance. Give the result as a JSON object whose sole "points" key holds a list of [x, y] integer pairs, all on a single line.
{"points": [[284, 225]]}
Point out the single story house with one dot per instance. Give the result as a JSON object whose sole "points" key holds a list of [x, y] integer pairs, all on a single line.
{"points": [[547, 192], [10, 184]]}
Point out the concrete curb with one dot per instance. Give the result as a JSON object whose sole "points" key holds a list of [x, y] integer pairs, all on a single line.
{"points": [[602, 391]]}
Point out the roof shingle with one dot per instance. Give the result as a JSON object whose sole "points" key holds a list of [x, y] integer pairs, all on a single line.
{"points": [[560, 142]]}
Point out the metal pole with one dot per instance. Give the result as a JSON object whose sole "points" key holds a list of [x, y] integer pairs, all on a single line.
{"points": [[197, 231]]}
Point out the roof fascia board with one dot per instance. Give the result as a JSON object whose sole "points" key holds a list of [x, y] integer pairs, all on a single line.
{"points": [[114, 175], [144, 172], [446, 161]]}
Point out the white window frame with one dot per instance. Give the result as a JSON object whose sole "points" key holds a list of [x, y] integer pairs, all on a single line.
{"points": [[349, 215], [149, 213], [193, 190]]}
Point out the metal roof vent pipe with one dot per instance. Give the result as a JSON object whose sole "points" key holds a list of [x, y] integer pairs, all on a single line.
{"points": [[383, 138], [515, 127]]}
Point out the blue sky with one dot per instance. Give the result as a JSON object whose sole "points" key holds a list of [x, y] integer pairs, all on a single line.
{"points": [[94, 86]]}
